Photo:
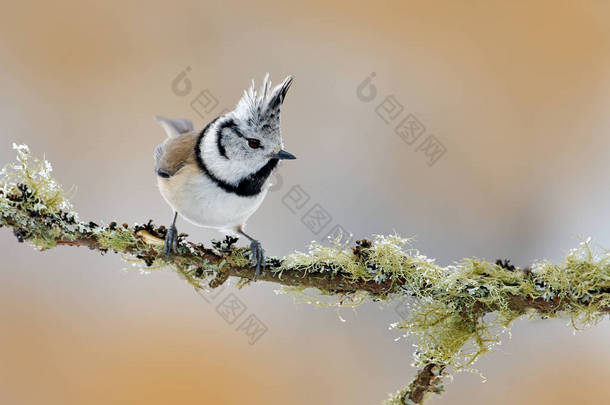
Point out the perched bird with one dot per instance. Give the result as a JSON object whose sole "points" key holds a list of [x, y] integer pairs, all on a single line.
{"points": [[217, 178]]}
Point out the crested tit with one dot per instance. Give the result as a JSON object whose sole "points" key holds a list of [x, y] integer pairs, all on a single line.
{"points": [[217, 178]]}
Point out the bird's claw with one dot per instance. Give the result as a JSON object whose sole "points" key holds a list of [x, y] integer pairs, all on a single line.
{"points": [[258, 257], [171, 242]]}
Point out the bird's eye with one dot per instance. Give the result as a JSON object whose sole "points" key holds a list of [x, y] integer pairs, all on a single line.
{"points": [[254, 143]]}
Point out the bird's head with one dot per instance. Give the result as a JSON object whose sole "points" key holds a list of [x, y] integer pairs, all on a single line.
{"points": [[249, 137], [252, 130]]}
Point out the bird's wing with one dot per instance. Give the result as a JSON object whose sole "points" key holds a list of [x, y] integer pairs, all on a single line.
{"points": [[175, 153], [175, 128]]}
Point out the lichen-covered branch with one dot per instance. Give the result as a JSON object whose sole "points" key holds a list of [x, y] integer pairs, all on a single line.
{"points": [[428, 380], [443, 308]]}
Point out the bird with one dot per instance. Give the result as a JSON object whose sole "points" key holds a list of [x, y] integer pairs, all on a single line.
{"points": [[219, 176]]}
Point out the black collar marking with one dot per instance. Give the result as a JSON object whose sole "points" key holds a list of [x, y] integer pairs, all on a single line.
{"points": [[250, 185]]}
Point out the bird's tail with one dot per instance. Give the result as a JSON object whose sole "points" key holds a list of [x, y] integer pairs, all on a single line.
{"points": [[174, 128]]}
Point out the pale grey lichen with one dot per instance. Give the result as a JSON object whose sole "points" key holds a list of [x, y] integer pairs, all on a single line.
{"points": [[456, 312], [36, 175]]}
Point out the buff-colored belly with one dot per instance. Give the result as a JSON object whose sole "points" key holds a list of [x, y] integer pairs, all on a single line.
{"points": [[200, 201]]}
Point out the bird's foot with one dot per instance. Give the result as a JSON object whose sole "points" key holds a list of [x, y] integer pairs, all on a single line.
{"points": [[171, 242], [258, 257]]}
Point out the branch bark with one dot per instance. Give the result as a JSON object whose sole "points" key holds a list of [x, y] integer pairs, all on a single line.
{"points": [[340, 273], [338, 283], [428, 380]]}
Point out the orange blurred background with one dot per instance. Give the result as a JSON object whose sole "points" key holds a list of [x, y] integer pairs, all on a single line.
{"points": [[516, 93]]}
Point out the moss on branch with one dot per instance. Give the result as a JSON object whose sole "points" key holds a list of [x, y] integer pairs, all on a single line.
{"points": [[455, 313]]}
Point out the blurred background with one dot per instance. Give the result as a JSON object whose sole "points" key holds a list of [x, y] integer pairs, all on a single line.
{"points": [[482, 131]]}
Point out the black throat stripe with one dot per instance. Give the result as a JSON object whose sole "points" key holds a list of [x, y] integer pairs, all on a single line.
{"points": [[249, 186]]}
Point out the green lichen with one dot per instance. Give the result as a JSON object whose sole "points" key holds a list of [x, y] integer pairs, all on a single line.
{"points": [[34, 203], [455, 313], [35, 175], [238, 258], [119, 239]]}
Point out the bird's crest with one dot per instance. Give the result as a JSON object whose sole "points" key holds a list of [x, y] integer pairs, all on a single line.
{"points": [[261, 108]]}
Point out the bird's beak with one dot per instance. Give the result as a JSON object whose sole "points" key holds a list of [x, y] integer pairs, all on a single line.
{"points": [[283, 155]]}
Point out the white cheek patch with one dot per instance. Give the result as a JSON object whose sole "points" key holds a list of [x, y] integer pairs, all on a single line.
{"points": [[239, 163]]}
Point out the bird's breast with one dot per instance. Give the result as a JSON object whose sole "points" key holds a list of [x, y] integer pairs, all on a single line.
{"points": [[201, 201]]}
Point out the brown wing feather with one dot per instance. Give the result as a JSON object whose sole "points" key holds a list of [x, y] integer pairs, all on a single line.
{"points": [[175, 153]]}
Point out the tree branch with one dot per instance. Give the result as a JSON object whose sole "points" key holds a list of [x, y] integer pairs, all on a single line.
{"points": [[445, 307], [427, 381]]}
